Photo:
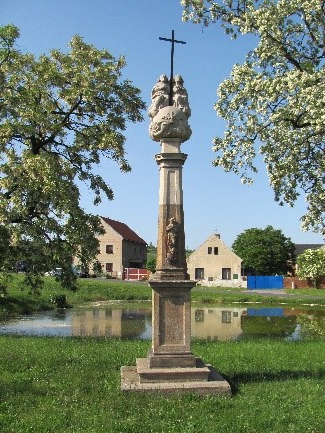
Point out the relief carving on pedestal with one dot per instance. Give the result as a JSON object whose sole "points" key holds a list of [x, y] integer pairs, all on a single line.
{"points": [[172, 232]]}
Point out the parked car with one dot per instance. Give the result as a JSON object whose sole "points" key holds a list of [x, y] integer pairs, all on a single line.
{"points": [[83, 273], [54, 272]]}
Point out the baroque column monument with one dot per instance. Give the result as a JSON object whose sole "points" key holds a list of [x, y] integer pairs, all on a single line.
{"points": [[170, 365]]}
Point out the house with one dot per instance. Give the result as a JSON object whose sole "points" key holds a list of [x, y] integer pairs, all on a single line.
{"points": [[216, 263], [299, 249], [120, 248]]}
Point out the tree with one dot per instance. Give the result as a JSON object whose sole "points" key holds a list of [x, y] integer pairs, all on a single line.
{"points": [[311, 264], [273, 103], [59, 116], [151, 265], [264, 251]]}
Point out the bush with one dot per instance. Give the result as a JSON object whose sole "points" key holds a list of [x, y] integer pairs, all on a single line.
{"points": [[60, 301]]}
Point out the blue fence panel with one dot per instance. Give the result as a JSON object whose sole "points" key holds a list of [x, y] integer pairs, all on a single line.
{"points": [[265, 312], [264, 282]]}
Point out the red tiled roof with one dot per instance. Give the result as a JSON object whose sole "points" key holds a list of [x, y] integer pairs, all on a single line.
{"points": [[124, 231]]}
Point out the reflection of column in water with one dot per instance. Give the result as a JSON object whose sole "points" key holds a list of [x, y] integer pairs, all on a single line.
{"points": [[217, 323]]}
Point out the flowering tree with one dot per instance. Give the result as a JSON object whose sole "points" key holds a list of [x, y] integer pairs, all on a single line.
{"points": [[274, 103], [59, 115], [311, 264]]}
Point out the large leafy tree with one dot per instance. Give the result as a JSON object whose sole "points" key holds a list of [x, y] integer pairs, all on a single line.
{"points": [[264, 251], [311, 264], [274, 102], [60, 115]]}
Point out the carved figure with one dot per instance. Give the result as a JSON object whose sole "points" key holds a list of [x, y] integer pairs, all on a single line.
{"points": [[180, 96], [159, 96], [170, 122], [171, 241]]}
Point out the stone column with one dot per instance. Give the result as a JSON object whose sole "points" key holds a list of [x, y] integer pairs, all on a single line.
{"points": [[171, 299], [170, 364], [171, 260]]}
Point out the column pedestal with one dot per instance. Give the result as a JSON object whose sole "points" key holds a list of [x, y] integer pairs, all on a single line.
{"points": [[170, 365]]}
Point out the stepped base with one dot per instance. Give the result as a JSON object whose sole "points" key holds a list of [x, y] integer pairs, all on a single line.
{"points": [[203, 379]]}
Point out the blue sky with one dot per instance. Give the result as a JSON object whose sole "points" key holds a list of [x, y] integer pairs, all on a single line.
{"points": [[213, 200]]}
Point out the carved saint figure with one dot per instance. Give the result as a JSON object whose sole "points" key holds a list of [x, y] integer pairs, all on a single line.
{"points": [[159, 96], [180, 95], [169, 121], [171, 240]]}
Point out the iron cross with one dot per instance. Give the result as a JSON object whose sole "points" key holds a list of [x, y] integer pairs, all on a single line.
{"points": [[172, 40]]}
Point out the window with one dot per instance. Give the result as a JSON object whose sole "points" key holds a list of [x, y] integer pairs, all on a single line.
{"points": [[226, 273], [199, 315], [209, 250], [215, 251], [226, 316], [109, 267], [109, 249], [199, 273]]}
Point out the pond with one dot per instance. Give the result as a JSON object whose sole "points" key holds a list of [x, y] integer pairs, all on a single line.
{"points": [[209, 323]]}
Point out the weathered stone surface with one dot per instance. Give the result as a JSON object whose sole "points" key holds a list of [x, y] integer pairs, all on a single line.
{"points": [[171, 260], [171, 324], [170, 365], [216, 384], [170, 122], [199, 372]]}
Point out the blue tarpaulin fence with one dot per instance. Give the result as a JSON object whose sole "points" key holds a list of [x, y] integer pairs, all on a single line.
{"points": [[264, 282], [265, 312]]}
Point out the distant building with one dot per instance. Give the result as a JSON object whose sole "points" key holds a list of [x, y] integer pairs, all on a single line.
{"points": [[215, 263], [120, 248], [299, 249]]}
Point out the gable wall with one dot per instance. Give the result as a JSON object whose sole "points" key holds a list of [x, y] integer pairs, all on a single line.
{"points": [[212, 263], [111, 237]]}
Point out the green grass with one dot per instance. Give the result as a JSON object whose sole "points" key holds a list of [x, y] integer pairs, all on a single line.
{"points": [[222, 295], [19, 301], [73, 385]]}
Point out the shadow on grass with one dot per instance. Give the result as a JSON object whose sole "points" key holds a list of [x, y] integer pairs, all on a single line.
{"points": [[10, 306], [23, 388], [240, 378]]}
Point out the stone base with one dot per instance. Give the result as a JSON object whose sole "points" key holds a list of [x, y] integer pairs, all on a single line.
{"points": [[203, 379], [170, 274], [199, 373], [171, 360]]}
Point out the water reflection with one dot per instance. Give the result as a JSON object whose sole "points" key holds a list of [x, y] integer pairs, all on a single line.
{"points": [[207, 323]]}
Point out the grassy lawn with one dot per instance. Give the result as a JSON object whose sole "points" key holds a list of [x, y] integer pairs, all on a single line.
{"points": [[73, 385], [19, 301]]}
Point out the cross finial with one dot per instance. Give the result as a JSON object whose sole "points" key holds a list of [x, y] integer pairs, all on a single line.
{"points": [[172, 40]]}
